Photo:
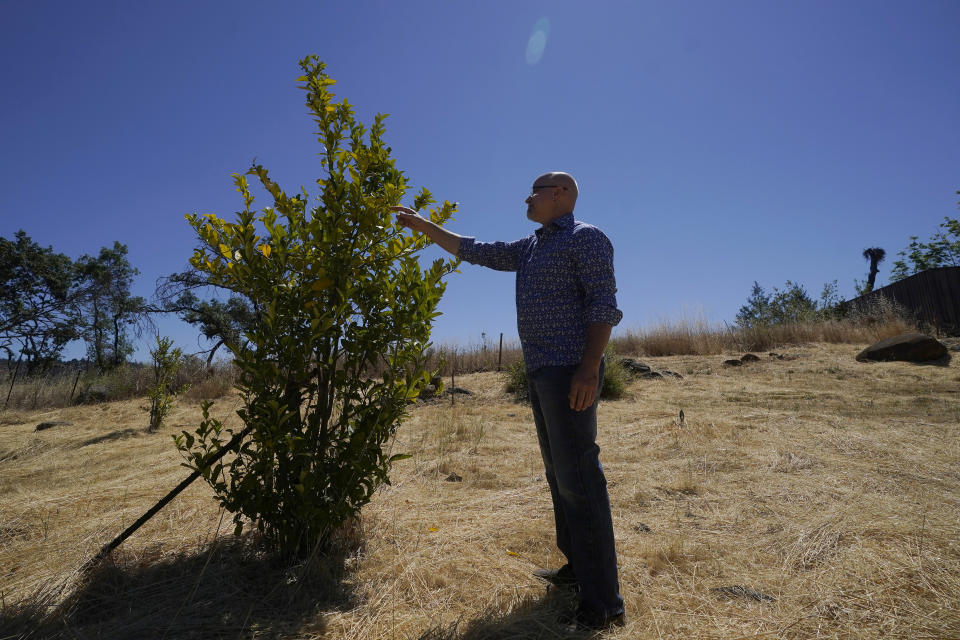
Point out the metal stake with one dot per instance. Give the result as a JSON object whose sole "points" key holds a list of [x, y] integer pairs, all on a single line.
{"points": [[14, 379]]}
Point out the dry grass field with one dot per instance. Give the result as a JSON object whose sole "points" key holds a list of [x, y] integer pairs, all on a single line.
{"points": [[805, 497]]}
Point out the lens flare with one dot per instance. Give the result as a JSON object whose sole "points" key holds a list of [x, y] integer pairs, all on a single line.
{"points": [[538, 41]]}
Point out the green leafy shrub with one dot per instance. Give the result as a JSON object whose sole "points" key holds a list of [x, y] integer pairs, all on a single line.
{"points": [[615, 379], [336, 292], [167, 362], [517, 381]]}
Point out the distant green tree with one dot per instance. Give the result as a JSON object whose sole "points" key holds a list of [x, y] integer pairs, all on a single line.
{"points": [[220, 322], [875, 255], [38, 310], [943, 250], [790, 305], [109, 308], [830, 305], [757, 310]]}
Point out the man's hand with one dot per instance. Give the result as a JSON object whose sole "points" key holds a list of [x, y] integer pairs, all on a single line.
{"points": [[407, 217], [583, 387]]}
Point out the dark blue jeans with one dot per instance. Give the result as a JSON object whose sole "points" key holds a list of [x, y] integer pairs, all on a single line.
{"points": [[581, 506]]}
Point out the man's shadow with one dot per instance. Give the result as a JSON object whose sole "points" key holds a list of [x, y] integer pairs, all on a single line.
{"points": [[533, 618], [230, 589]]}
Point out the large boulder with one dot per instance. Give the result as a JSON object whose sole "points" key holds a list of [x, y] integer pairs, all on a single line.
{"points": [[635, 366], [908, 347]]}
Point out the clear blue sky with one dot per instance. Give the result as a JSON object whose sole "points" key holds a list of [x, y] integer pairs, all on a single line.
{"points": [[716, 143]]}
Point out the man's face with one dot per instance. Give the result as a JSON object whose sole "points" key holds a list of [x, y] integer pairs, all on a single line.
{"points": [[542, 201]]}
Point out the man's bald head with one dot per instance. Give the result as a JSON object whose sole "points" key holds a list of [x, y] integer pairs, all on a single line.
{"points": [[563, 179]]}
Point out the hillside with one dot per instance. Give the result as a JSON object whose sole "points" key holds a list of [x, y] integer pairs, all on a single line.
{"points": [[809, 496]]}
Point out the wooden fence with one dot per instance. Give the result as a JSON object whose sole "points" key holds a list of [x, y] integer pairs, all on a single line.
{"points": [[932, 296]]}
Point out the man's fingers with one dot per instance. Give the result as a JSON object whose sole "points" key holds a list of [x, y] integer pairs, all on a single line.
{"points": [[583, 392], [581, 397], [586, 399]]}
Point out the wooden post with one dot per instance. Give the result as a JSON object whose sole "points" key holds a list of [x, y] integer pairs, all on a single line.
{"points": [[500, 357], [453, 377], [75, 381], [12, 380]]}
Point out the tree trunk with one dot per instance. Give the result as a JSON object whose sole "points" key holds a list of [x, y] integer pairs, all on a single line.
{"points": [[97, 336], [872, 277], [212, 352]]}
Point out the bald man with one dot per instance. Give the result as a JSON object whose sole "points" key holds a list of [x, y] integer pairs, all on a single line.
{"points": [[566, 307]]}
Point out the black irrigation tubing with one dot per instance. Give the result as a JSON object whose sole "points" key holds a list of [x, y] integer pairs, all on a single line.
{"points": [[116, 542]]}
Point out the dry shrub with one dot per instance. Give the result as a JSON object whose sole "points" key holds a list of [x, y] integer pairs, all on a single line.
{"points": [[207, 383]]}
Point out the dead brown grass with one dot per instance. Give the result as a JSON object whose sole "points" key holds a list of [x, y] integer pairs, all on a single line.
{"points": [[695, 336], [64, 388], [826, 484]]}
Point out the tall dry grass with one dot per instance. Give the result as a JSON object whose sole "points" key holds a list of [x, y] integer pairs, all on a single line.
{"points": [[450, 358], [66, 387], [696, 336]]}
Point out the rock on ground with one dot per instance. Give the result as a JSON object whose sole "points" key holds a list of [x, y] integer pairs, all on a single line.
{"points": [[907, 347]]}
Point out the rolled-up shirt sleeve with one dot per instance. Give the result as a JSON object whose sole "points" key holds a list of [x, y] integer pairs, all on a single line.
{"points": [[502, 256], [594, 257]]}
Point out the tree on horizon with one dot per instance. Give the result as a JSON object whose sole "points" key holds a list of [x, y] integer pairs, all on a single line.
{"points": [[875, 255]]}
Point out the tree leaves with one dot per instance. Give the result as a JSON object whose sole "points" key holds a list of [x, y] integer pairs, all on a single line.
{"points": [[943, 250], [342, 314]]}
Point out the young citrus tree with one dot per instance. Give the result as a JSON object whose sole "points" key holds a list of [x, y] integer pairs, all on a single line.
{"points": [[343, 313], [167, 362]]}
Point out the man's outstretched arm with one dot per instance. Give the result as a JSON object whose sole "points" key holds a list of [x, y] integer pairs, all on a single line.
{"points": [[410, 219]]}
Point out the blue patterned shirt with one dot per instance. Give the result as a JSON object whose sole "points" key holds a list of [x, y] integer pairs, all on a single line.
{"points": [[564, 283]]}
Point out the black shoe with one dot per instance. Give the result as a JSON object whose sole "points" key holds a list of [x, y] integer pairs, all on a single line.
{"points": [[562, 577], [587, 620]]}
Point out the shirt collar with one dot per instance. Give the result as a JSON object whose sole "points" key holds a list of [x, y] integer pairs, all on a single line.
{"points": [[563, 222]]}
